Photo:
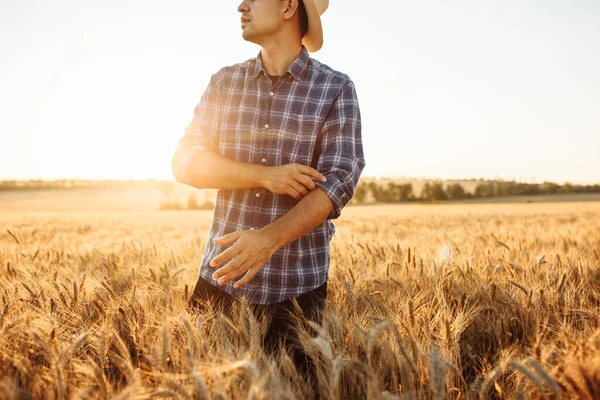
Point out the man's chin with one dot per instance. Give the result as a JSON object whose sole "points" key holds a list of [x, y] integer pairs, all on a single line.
{"points": [[248, 37]]}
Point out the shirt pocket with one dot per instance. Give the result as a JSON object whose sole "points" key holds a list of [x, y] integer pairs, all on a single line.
{"points": [[238, 133], [296, 140]]}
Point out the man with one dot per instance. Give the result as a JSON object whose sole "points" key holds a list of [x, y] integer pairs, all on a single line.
{"points": [[280, 136]]}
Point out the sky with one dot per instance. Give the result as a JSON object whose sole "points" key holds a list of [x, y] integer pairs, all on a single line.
{"points": [[447, 89]]}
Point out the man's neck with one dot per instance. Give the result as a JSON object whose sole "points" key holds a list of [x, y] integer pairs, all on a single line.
{"points": [[277, 58]]}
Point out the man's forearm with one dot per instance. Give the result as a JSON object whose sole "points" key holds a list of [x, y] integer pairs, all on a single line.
{"points": [[210, 170], [301, 219]]}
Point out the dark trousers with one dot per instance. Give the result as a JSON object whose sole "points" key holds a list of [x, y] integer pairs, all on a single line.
{"points": [[279, 328]]}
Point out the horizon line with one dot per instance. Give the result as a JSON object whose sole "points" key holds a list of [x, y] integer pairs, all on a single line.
{"points": [[532, 180]]}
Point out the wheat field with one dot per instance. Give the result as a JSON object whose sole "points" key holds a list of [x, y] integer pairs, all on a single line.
{"points": [[424, 302]]}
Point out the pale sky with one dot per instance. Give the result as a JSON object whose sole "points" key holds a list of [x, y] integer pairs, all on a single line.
{"points": [[448, 89]]}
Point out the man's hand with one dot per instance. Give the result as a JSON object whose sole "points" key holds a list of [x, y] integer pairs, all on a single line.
{"points": [[252, 250], [295, 180]]}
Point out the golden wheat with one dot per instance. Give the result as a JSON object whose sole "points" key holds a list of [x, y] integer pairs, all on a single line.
{"points": [[438, 301]]}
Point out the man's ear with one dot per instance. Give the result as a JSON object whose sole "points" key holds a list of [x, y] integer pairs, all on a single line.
{"points": [[290, 9]]}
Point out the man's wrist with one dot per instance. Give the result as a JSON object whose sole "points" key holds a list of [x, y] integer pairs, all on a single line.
{"points": [[259, 174], [274, 234]]}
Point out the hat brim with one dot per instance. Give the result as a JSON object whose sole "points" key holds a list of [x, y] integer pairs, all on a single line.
{"points": [[313, 39]]}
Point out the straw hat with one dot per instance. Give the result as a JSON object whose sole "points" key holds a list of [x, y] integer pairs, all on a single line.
{"points": [[313, 39]]}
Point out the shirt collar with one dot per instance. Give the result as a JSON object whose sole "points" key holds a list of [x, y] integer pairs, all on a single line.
{"points": [[295, 69]]}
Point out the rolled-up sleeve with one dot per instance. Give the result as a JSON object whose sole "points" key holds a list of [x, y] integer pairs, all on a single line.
{"points": [[341, 160], [201, 133]]}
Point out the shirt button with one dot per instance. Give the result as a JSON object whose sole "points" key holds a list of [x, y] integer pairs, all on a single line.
{"points": [[257, 194], [264, 160], [271, 94], [266, 125]]}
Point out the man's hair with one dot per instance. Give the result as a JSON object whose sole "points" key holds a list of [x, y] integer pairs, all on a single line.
{"points": [[303, 17]]}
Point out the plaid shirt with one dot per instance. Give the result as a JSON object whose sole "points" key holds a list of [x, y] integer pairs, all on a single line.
{"points": [[310, 116]]}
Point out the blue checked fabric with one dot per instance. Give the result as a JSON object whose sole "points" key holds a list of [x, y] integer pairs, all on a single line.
{"points": [[310, 116]]}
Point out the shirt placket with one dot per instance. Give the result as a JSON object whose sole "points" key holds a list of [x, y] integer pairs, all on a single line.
{"points": [[268, 88]]}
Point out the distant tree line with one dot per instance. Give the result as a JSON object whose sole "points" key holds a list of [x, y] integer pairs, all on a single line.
{"points": [[391, 192], [367, 190], [40, 184], [171, 202], [191, 204]]}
